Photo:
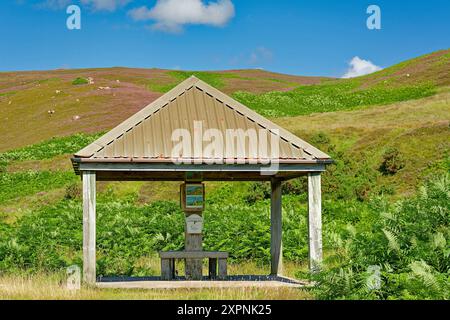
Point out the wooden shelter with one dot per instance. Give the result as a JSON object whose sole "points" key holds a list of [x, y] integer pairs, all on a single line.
{"points": [[142, 149]]}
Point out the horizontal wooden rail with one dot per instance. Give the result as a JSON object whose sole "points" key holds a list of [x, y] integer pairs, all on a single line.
{"points": [[193, 254]]}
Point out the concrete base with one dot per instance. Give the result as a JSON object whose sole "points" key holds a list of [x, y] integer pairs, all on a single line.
{"points": [[182, 283]]}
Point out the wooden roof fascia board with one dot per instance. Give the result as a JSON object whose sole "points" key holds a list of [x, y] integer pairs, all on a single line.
{"points": [[172, 167], [175, 161], [207, 176], [260, 119], [147, 111]]}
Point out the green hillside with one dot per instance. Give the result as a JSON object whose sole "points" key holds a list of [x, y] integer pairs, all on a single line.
{"points": [[39, 105], [386, 198], [413, 79]]}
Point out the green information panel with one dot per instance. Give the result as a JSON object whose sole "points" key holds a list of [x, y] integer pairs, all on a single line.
{"points": [[193, 196]]}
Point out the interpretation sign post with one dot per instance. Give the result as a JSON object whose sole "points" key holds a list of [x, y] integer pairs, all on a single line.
{"points": [[194, 224], [192, 196]]}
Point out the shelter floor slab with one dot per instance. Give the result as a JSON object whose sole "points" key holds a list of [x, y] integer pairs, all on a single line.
{"points": [[182, 283]]}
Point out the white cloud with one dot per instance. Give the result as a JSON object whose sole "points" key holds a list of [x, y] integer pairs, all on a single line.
{"points": [[260, 55], [54, 4], [96, 5], [105, 5], [359, 67], [172, 15]]}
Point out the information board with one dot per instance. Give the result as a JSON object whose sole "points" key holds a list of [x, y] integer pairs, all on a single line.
{"points": [[193, 196]]}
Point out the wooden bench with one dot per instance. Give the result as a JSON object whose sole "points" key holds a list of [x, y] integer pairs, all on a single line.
{"points": [[216, 258]]}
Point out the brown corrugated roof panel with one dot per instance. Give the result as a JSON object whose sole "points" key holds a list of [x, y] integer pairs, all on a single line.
{"points": [[197, 107]]}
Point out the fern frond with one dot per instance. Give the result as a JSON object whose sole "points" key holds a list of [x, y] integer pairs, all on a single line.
{"points": [[438, 240], [422, 271], [392, 240], [351, 229], [387, 215]]}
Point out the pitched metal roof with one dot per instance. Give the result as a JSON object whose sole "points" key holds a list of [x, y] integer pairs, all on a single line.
{"points": [[147, 135]]}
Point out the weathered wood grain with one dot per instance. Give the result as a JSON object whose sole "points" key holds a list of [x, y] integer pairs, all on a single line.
{"points": [[192, 254], [193, 267], [222, 268], [212, 267], [314, 221], [89, 199], [276, 246]]}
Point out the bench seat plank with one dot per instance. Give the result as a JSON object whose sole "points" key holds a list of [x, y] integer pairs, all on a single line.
{"points": [[193, 254]]}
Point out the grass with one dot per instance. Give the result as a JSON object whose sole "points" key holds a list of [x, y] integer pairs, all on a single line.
{"points": [[19, 184], [331, 96], [6, 94], [51, 287], [432, 68], [29, 107], [50, 148], [33, 156], [13, 209]]}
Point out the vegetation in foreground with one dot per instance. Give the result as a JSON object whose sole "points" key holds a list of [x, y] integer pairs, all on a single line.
{"points": [[407, 239]]}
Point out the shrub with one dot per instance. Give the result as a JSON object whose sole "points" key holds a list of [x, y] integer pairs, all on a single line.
{"points": [[320, 138], [295, 186], [244, 230], [257, 191], [79, 81], [73, 191], [392, 162], [350, 177]]}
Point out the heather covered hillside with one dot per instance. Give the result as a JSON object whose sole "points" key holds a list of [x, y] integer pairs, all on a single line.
{"points": [[385, 199]]}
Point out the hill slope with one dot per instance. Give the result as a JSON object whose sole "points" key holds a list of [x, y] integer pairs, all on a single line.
{"points": [[117, 93], [412, 79], [27, 97], [417, 131]]}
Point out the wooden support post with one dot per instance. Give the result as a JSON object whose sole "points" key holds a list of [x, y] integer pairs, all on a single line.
{"points": [[314, 221], [222, 268], [212, 268], [89, 274], [276, 246], [167, 269], [193, 267], [173, 270]]}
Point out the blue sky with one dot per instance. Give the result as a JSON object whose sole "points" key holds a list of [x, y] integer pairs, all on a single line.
{"points": [[317, 37]]}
